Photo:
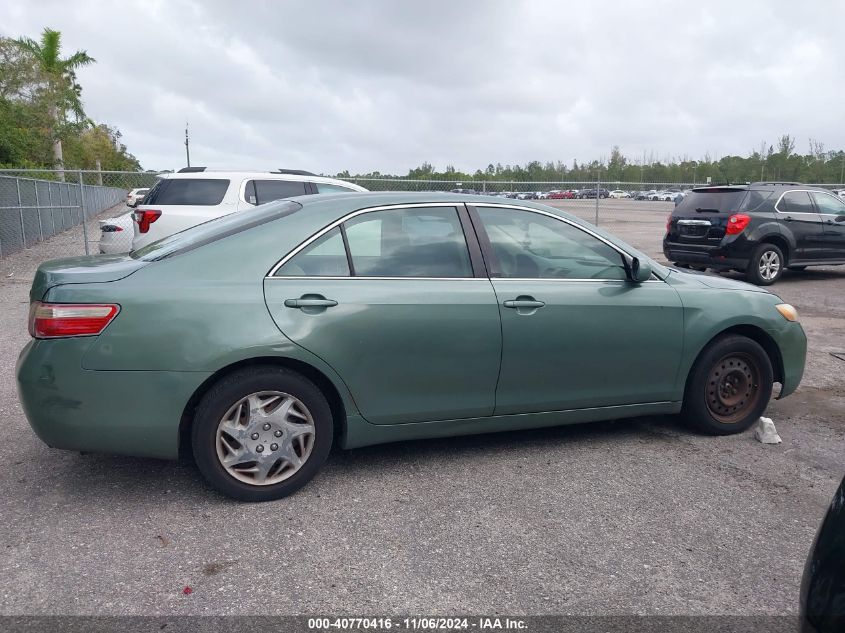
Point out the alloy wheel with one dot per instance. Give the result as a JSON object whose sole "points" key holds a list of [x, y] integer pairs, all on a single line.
{"points": [[769, 265]]}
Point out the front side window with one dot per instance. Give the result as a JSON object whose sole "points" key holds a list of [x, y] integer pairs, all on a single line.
{"points": [[413, 242], [531, 245], [796, 202], [324, 257], [264, 191], [828, 204]]}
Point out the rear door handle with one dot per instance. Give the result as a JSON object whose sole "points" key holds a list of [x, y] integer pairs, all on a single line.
{"points": [[523, 303], [310, 303], [788, 218]]}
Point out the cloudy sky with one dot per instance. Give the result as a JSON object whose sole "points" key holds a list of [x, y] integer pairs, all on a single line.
{"points": [[385, 85]]}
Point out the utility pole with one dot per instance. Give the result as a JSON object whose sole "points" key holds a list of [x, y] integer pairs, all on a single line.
{"points": [[187, 146]]}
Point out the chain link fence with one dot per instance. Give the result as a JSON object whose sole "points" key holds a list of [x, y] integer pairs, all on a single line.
{"points": [[47, 214]]}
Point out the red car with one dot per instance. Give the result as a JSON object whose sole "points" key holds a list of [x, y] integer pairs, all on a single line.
{"points": [[561, 195]]}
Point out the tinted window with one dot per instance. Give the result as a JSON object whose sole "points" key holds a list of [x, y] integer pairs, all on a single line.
{"points": [[325, 188], [419, 242], [796, 202], [193, 191], [713, 201], [325, 257], [534, 246], [264, 191], [828, 204]]}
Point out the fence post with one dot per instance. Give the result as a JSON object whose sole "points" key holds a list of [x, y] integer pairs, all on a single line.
{"points": [[20, 211], [38, 211], [598, 195], [82, 211]]}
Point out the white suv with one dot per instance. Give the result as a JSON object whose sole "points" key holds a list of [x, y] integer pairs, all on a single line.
{"points": [[195, 195]]}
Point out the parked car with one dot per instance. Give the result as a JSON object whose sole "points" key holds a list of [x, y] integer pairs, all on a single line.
{"points": [[619, 194], [135, 196], [758, 229], [466, 191], [541, 195], [823, 585], [116, 234], [257, 340], [526, 195], [592, 193], [561, 195], [194, 195]]}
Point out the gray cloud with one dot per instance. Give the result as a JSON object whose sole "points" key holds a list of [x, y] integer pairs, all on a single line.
{"points": [[379, 85]]}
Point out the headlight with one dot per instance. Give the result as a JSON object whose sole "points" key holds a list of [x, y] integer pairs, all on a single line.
{"points": [[787, 311]]}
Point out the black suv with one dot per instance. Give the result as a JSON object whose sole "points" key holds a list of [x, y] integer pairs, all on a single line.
{"points": [[758, 229], [592, 193]]}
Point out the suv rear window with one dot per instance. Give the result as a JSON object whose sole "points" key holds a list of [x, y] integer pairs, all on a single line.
{"points": [[712, 201], [204, 192]]}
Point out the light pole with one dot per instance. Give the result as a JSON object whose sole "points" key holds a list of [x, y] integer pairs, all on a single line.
{"points": [[187, 147]]}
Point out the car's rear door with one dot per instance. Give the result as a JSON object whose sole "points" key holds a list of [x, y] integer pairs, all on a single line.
{"points": [[801, 221], [397, 302], [831, 208], [575, 332]]}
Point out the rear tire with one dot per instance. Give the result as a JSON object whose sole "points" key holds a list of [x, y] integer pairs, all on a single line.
{"points": [[766, 265], [261, 433], [729, 386]]}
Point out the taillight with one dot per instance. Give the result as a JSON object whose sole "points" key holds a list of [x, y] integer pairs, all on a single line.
{"points": [[145, 217], [737, 223], [668, 223], [54, 320]]}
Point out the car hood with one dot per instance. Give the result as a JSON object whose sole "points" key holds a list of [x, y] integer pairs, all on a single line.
{"points": [[718, 283]]}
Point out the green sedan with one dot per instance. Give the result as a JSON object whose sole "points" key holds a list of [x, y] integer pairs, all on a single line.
{"points": [[258, 340]]}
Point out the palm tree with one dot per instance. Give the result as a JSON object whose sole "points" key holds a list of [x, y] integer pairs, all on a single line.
{"points": [[60, 79]]}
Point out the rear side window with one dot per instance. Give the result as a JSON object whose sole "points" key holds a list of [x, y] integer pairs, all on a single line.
{"points": [[264, 191], [325, 257], [713, 201], [188, 191], [796, 202], [326, 188]]}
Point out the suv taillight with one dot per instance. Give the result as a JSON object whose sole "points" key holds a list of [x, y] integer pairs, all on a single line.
{"points": [[668, 223], [737, 223], [145, 217], [56, 320]]}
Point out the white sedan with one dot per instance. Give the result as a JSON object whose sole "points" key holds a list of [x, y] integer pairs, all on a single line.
{"points": [[618, 194], [135, 196], [116, 234]]}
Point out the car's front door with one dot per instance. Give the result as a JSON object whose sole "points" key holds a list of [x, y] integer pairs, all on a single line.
{"points": [[576, 333], [798, 216], [393, 301], [832, 211]]}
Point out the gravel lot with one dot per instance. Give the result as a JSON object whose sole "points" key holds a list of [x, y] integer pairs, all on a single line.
{"points": [[636, 516]]}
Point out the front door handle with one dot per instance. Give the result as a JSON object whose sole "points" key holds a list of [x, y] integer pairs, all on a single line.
{"points": [[524, 302], [310, 302]]}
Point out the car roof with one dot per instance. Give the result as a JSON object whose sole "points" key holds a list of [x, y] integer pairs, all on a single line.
{"points": [[268, 175]]}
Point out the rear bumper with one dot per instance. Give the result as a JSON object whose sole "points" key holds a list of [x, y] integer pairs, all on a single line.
{"points": [[121, 412], [702, 255]]}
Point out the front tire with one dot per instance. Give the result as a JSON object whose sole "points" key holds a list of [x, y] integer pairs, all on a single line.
{"points": [[261, 433], [729, 386], [766, 265]]}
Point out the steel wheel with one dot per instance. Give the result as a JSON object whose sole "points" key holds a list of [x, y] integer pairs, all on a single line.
{"points": [[769, 265], [732, 388], [265, 438]]}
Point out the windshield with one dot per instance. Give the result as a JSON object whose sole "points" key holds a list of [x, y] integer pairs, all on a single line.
{"points": [[214, 230]]}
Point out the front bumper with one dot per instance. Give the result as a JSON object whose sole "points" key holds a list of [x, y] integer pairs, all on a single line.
{"points": [[121, 412], [792, 342]]}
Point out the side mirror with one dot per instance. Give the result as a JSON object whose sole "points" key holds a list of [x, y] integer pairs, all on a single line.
{"points": [[639, 271], [839, 218]]}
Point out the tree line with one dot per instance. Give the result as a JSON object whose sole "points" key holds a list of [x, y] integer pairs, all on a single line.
{"points": [[42, 120], [779, 162]]}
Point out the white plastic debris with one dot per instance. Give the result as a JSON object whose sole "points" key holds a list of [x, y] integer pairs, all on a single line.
{"points": [[766, 432]]}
